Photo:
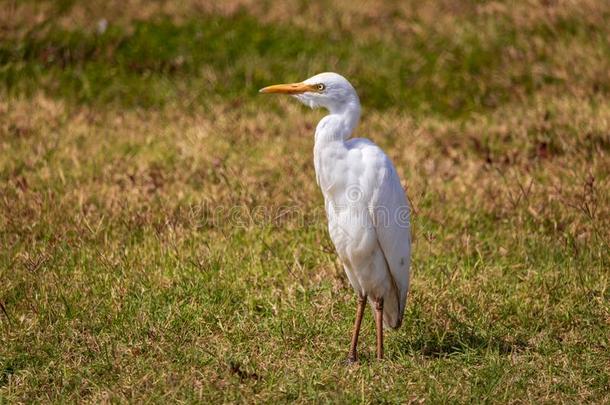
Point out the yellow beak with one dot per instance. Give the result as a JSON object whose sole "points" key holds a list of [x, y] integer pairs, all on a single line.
{"points": [[290, 88]]}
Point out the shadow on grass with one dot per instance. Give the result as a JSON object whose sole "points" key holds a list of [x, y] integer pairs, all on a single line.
{"points": [[443, 343]]}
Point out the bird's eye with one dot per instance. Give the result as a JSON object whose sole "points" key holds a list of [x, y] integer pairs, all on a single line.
{"points": [[320, 86]]}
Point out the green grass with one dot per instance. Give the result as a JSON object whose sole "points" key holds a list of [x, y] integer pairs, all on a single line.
{"points": [[162, 237], [157, 61]]}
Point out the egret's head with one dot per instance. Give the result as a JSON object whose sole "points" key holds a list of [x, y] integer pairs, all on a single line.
{"points": [[329, 90]]}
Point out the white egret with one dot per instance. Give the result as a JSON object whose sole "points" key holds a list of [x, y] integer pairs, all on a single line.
{"points": [[368, 212]]}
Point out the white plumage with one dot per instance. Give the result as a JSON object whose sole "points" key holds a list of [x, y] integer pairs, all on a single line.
{"points": [[368, 212]]}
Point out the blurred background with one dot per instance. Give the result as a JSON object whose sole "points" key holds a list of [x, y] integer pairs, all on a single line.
{"points": [[446, 58], [162, 236]]}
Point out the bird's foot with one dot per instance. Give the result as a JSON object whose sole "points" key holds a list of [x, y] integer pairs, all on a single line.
{"points": [[351, 360]]}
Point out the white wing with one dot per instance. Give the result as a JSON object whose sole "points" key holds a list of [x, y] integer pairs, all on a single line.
{"points": [[391, 215]]}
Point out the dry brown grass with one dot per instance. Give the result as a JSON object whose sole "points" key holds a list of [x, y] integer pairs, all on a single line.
{"points": [[549, 154]]}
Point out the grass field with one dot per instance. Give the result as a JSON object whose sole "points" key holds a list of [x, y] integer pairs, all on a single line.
{"points": [[162, 237]]}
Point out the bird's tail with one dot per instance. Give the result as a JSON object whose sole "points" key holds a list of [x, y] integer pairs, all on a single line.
{"points": [[393, 309]]}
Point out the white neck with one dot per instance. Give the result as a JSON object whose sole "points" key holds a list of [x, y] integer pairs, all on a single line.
{"points": [[340, 123]]}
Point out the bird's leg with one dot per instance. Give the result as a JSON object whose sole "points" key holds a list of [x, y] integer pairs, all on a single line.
{"points": [[352, 357], [379, 324]]}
